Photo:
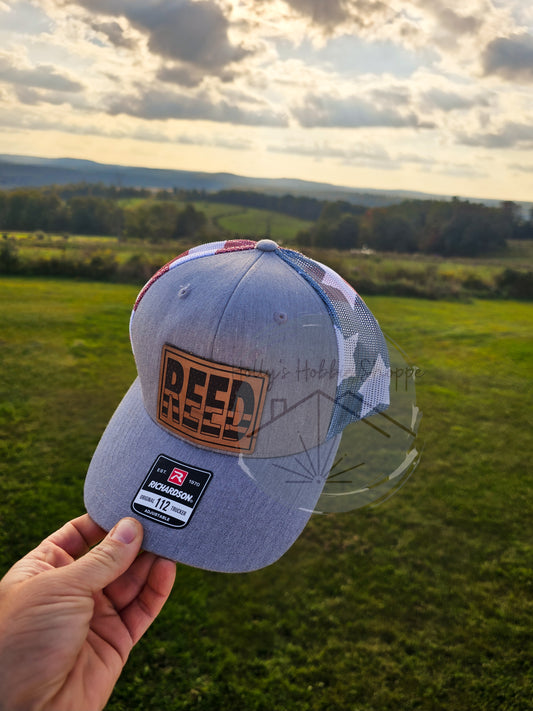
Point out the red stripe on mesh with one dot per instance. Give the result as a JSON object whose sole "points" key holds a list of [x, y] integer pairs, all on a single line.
{"points": [[236, 245]]}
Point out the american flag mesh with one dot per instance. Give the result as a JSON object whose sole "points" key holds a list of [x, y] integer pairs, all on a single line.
{"points": [[364, 367]]}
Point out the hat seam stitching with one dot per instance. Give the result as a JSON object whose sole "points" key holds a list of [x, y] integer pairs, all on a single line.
{"points": [[230, 297]]}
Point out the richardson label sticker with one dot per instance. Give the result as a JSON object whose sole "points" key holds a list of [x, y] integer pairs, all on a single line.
{"points": [[171, 492], [211, 404]]}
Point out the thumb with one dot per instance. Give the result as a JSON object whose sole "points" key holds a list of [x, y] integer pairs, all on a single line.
{"points": [[109, 559]]}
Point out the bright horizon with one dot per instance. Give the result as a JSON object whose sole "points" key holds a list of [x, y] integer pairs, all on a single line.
{"points": [[392, 95]]}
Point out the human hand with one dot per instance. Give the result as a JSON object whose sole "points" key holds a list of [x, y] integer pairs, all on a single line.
{"points": [[70, 615]]}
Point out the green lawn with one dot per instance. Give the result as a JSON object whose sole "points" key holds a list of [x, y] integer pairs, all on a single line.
{"points": [[425, 602], [256, 224]]}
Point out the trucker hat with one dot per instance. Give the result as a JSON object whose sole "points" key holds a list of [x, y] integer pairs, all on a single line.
{"points": [[252, 362]]}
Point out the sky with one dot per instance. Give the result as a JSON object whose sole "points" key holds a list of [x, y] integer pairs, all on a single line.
{"points": [[421, 95]]}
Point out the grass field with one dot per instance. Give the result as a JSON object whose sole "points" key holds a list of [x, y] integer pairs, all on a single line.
{"points": [[425, 602], [254, 222]]}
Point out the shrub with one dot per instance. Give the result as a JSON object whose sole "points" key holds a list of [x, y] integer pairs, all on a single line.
{"points": [[9, 257], [515, 284], [138, 268]]}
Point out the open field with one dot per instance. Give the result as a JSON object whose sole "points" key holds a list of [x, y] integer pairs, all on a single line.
{"points": [[253, 222], [425, 602], [37, 245]]}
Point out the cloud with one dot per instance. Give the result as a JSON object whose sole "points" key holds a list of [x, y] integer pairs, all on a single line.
{"points": [[28, 96], [155, 104], [33, 97], [460, 170], [521, 168], [327, 14], [332, 14], [13, 120], [114, 33], [510, 57], [323, 149], [233, 144], [194, 32], [392, 96], [511, 135], [367, 155], [409, 22], [452, 101], [449, 20], [180, 75], [188, 75], [43, 76], [320, 110]]}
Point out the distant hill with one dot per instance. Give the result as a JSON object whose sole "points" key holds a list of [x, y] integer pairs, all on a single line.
{"points": [[30, 171]]}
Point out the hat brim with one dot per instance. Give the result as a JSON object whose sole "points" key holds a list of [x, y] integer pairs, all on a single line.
{"points": [[239, 525]]}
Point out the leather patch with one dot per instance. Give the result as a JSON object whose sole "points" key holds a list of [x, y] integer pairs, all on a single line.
{"points": [[211, 404]]}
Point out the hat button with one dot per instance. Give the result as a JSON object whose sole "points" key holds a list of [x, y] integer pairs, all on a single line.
{"points": [[266, 245]]}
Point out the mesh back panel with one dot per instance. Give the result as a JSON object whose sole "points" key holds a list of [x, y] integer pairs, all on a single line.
{"points": [[364, 368]]}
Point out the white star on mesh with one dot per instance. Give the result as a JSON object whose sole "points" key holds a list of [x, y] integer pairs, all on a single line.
{"points": [[348, 361], [332, 279], [375, 389]]}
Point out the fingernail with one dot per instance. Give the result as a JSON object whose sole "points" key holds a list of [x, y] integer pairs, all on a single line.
{"points": [[126, 530]]}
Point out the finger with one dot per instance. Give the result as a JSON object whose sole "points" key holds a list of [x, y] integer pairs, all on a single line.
{"points": [[108, 560], [142, 611], [125, 589], [77, 536], [59, 549]]}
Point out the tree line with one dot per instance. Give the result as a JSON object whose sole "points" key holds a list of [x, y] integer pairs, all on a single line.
{"points": [[302, 207], [449, 228], [94, 213]]}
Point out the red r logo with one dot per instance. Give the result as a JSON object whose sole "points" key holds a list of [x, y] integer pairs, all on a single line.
{"points": [[178, 476]]}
